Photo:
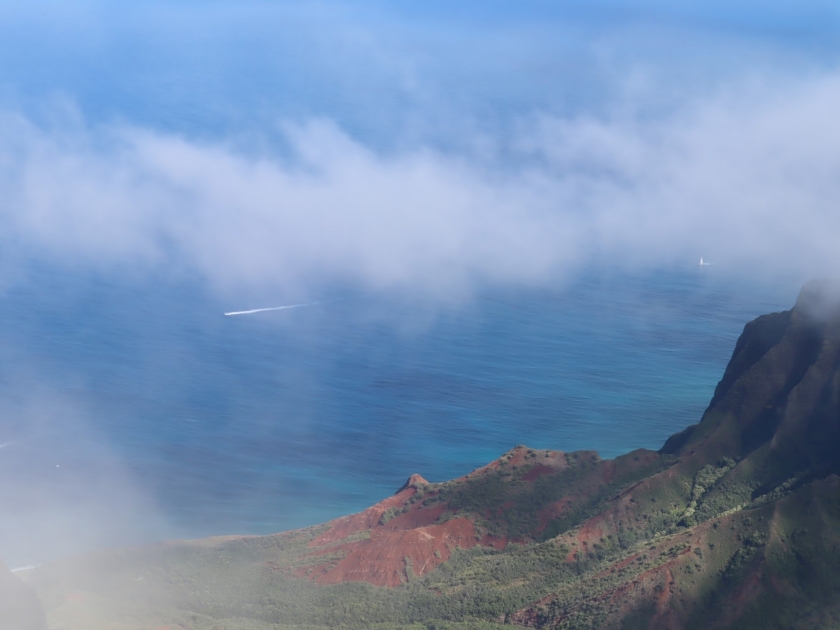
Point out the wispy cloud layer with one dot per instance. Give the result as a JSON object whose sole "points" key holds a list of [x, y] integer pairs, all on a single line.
{"points": [[748, 178]]}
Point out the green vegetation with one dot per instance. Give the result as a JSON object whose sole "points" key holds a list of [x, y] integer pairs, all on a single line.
{"points": [[232, 586], [503, 504], [707, 477]]}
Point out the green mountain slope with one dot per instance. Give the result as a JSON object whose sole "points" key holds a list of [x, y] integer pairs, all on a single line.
{"points": [[735, 523]]}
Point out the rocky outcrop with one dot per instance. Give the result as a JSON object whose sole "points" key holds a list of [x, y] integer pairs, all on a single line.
{"points": [[415, 481]]}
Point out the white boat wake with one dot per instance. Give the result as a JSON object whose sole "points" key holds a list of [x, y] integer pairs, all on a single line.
{"points": [[28, 567], [272, 308]]}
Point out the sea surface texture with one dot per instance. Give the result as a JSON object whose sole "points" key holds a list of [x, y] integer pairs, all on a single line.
{"points": [[140, 412]]}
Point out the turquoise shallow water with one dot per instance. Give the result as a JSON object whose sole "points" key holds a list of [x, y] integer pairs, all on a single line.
{"points": [[138, 412]]}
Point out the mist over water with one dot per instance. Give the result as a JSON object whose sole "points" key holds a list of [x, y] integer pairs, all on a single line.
{"points": [[493, 213], [136, 412]]}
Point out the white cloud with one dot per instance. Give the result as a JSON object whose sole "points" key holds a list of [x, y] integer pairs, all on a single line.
{"points": [[751, 177]]}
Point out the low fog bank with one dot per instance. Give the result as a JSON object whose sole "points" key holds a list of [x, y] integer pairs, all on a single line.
{"points": [[63, 489], [746, 178]]}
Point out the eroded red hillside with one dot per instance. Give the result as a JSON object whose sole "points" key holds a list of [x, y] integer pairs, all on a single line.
{"points": [[417, 529], [390, 539]]}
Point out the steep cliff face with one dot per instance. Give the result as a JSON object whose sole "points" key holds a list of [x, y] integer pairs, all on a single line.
{"points": [[19, 606], [776, 411], [734, 523], [743, 527], [779, 399]]}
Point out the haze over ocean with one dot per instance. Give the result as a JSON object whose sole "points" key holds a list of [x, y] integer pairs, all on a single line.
{"points": [[283, 419], [494, 212]]}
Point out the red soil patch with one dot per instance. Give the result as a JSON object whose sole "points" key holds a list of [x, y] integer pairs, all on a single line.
{"points": [[555, 460], [590, 532], [517, 456], [381, 559], [536, 471], [663, 596], [549, 462], [417, 516], [491, 541], [410, 541], [346, 526], [414, 481], [608, 471]]}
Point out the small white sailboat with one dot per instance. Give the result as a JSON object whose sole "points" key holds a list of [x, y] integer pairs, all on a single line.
{"points": [[703, 263]]}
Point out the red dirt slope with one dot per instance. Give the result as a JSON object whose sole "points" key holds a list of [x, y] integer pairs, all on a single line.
{"points": [[385, 549], [417, 529]]}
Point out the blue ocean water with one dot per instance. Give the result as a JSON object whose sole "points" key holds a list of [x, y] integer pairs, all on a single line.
{"points": [[135, 412]]}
